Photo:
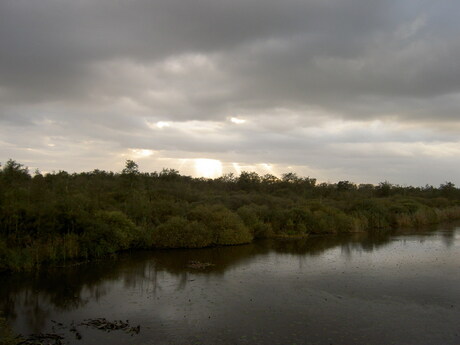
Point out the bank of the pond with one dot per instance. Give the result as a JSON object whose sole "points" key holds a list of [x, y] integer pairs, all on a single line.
{"points": [[59, 217], [404, 280], [204, 227]]}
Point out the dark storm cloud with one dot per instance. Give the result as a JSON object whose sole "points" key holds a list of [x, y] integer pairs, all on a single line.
{"points": [[328, 53]]}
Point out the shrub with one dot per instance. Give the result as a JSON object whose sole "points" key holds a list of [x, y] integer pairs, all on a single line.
{"points": [[252, 216], [226, 226], [108, 232], [178, 232]]}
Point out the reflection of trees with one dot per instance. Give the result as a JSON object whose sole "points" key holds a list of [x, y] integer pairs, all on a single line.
{"points": [[316, 245], [176, 261], [38, 294], [448, 238], [53, 289]]}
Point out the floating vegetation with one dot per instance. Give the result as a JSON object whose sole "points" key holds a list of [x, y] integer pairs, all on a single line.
{"points": [[59, 339], [43, 339], [105, 325], [197, 265]]}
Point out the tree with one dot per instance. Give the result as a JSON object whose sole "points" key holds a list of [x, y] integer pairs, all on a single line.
{"points": [[384, 188], [290, 177], [131, 168], [447, 186], [345, 185], [447, 189], [270, 179], [14, 172], [309, 182], [227, 178], [249, 180], [169, 174]]}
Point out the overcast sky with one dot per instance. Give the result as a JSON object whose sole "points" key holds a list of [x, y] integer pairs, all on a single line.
{"points": [[359, 90]]}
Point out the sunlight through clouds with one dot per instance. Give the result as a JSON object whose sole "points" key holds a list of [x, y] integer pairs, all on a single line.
{"points": [[237, 168], [163, 124], [209, 168], [237, 121], [141, 153]]}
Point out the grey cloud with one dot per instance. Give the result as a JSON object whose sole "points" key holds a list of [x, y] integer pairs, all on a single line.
{"points": [[47, 46], [88, 77], [356, 58]]}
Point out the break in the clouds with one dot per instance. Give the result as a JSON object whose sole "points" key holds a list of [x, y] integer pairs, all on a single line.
{"points": [[363, 90]]}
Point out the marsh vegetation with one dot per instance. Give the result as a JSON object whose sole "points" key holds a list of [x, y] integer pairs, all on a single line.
{"points": [[58, 216]]}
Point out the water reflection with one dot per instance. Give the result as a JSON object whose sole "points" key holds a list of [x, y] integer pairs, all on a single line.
{"points": [[54, 288], [33, 299]]}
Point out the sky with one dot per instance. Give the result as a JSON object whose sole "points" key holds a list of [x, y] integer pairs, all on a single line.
{"points": [[358, 90]]}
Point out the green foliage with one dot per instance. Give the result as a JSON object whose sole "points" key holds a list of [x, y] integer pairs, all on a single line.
{"points": [[227, 227], [448, 189], [384, 189], [131, 168], [178, 232], [60, 216], [345, 186], [332, 220], [14, 173], [204, 226], [255, 218], [108, 232]]}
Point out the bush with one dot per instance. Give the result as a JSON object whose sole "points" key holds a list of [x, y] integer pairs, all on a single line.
{"points": [[108, 232], [226, 226], [252, 216], [13, 258], [178, 232]]}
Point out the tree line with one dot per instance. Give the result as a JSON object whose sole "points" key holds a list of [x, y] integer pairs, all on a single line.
{"points": [[64, 216]]}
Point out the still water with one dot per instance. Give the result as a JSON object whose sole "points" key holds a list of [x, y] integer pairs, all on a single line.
{"points": [[400, 288]]}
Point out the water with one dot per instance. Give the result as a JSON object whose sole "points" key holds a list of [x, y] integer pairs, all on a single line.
{"points": [[386, 289]]}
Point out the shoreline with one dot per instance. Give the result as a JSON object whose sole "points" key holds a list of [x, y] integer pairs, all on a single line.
{"points": [[61, 217], [77, 261]]}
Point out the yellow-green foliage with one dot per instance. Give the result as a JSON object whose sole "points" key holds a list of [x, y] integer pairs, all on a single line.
{"points": [[226, 226], [17, 258], [204, 226], [359, 223], [376, 212], [178, 232], [61, 216], [449, 213], [108, 232], [332, 220], [122, 230], [35, 252], [403, 220], [253, 217]]}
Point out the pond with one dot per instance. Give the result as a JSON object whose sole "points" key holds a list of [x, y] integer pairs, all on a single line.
{"points": [[393, 288]]}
